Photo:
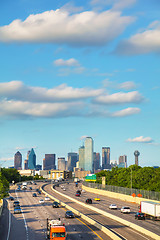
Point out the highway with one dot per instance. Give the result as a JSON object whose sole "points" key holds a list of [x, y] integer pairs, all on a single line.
{"points": [[120, 229], [31, 223]]}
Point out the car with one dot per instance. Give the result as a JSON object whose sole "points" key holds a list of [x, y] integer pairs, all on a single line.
{"points": [[69, 214], [17, 209], [47, 198], [97, 199], [35, 183], [11, 198], [16, 203], [41, 201], [89, 200], [77, 194], [113, 206], [39, 192], [18, 189], [125, 210], [64, 189], [34, 195], [83, 191], [55, 204], [30, 188], [140, 216]]}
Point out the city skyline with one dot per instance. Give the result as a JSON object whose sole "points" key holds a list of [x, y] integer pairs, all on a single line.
{"points": [[77, 69]]}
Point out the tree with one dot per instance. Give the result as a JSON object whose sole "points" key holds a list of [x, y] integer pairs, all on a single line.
{"points": [[4, 186]]}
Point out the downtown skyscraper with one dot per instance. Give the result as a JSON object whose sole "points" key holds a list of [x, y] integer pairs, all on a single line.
{"points": [[49, 162], [106, 158], [88, 163], [18, 161], [31, 159]]}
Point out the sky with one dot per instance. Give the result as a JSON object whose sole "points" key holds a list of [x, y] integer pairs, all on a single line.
{"points": [[71, 69]]}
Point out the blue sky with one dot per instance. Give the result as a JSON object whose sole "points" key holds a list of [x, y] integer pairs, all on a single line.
{"points": [[76, 69]]}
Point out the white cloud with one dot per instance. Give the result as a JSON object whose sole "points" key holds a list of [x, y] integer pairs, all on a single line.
{"points": [[20, 101], [127, 85], [69, 63], [126, 112], [145, 42], [60, 27], [22, 109], [120, 98], [141, 139], [17, 90]]}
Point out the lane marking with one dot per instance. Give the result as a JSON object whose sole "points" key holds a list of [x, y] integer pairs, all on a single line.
{"points": [[25, 223], [88, 227], [9, 224]]}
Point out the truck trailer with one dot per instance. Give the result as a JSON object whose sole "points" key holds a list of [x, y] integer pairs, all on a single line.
{"points": [[150, 209], [55, 230]]}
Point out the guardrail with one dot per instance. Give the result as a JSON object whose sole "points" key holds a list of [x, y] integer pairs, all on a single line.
{"points": [[88, 219], [152, 195]]}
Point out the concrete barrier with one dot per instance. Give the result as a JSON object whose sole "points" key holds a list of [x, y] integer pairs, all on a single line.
{"points": [[1, 206], [91, 221], [115, 218], [119, 196]]}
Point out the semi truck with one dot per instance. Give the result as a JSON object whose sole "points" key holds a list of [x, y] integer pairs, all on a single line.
{"points": [[150, 209], [55, 230]]}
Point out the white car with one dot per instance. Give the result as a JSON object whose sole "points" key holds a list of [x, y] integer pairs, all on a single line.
{"points": [[113, 206], [125, 210], [64, 189], [41, 201], [47, 198], [83, 191]]}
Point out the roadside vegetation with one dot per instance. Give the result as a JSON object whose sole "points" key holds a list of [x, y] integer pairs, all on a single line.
{"points": [[146, 178], [11, 175]]}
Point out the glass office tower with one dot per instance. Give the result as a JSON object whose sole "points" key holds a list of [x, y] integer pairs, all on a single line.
{"points": [[32, 160], [88, 164]]}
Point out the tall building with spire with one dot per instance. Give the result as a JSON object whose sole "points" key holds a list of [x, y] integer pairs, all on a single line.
{"points": [[18, 161], [32, 159]]}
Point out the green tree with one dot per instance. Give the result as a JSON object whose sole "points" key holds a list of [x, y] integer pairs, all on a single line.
{"points": [[4, 186]]}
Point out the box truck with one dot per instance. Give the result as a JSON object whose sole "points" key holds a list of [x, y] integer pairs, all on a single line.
{"points": [[150, 209]]}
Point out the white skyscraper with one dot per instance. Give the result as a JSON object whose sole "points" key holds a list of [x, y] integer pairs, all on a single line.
{"points": [[88, 164]]}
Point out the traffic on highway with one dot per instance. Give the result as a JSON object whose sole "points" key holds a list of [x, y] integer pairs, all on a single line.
{"points": [[35, 216]]}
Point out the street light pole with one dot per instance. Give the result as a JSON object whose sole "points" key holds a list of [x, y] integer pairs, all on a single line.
{"points": [[131, 181]]}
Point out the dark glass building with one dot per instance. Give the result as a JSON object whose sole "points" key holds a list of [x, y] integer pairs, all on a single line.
{"points": [[18, 161], [106, 158], [49, 162]]}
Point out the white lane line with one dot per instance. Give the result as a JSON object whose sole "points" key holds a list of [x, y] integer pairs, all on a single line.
{"points": [[25, 223], [9, 224]]}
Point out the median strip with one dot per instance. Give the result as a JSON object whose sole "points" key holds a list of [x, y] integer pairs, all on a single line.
{"points": [[118, 219], [91, 221]]}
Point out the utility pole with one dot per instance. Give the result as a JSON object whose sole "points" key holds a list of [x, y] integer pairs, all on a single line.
{"points": [[131, 181]]}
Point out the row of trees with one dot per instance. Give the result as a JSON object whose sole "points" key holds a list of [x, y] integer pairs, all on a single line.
{"points": [[146, 178], [8, 175]]}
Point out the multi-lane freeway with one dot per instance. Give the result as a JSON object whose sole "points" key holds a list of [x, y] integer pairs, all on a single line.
{"points": [[31, 223], [121, 230]]}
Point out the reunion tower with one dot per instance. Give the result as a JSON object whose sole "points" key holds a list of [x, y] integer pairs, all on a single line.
{"points": [[136, 154]]}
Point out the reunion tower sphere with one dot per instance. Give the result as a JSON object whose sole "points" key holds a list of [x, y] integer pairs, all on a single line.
{"points": [[136, 154]]}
